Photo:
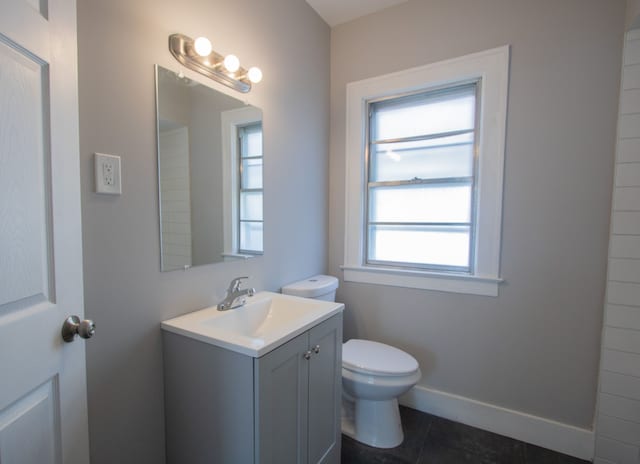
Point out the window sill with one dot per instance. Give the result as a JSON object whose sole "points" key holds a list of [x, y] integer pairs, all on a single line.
{"points": [[443, 282], [230, 256]]}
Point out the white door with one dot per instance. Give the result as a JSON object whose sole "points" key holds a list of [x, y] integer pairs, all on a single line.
{"points": [[43, 410]]}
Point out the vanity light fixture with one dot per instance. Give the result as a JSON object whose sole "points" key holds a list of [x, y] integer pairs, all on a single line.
{"points": [[199, 56]]}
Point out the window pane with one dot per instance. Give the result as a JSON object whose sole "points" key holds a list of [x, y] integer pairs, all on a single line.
{"points": [[443, 246], [251, 236], [252, 141], [251, 206], [450, 157], [424, 114], [420, 203], [252, 173]]}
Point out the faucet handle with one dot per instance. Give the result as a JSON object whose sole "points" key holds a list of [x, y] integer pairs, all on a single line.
{"points": [[234, 286]]}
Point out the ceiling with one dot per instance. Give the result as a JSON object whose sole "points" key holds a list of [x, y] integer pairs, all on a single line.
{"points": [[336, 12]]}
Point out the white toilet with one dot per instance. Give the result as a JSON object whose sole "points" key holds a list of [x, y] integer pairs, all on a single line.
{"points": [[374, 375]]}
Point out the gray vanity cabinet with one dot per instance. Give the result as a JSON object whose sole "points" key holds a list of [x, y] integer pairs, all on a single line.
{"points": [[281, 408], [298, 398]]}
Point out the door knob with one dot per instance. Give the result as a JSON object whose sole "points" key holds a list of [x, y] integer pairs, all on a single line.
{"points": [[316, 349], [307, 354], [73, 326]]}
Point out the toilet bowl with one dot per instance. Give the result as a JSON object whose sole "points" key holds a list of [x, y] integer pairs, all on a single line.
{"points": [[374, 375]]}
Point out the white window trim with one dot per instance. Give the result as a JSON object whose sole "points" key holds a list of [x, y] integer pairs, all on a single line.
{"points": [[230, 121], [492, 68]]}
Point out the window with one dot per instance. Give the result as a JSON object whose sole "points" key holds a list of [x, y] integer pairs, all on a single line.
{"points": [[242, 163], [250, 222], [425, 150], [420, 194]]}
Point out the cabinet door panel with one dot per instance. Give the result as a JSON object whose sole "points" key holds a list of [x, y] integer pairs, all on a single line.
{"points": [[208, 403], [282, 381], [325, 390]]}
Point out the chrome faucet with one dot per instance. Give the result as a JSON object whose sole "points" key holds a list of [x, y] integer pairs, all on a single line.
{"points": [[235, 297]]}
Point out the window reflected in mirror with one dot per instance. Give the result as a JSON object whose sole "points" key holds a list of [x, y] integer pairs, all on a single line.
{"points": [[250, 191]]}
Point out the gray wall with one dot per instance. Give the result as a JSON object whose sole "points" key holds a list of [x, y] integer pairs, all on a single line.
{"points": [[125, 292], [207, 192], [534, 348], [633, 11]]}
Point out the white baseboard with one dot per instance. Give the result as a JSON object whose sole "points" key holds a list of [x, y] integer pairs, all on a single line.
{"points": [[536, 430]]}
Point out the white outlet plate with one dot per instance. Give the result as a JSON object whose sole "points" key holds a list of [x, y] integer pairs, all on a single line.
{"points": [[107, 174]]}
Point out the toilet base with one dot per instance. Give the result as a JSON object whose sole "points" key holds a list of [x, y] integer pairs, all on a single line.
{"points": [[374, 423]]}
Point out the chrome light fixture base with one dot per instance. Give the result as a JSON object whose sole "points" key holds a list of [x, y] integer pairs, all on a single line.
{"points": [[211, 66]]}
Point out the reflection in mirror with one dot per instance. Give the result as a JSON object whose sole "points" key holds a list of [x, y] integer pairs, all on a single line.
{"points": [[210, 174]]}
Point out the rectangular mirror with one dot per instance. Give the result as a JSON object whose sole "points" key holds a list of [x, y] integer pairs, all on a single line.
{"points": [[209, 174]]}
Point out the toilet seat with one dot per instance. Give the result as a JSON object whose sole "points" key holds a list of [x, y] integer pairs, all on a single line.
{"points": [[374, 358]]}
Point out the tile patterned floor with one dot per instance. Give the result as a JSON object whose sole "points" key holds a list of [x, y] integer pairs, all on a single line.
{"points": [[432, 440]]}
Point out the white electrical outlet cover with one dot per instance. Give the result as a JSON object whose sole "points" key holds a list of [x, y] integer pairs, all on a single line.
{"points": [[107, 174]]}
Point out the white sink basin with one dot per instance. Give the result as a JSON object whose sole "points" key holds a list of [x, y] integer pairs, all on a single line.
{"points": [[266, 321]]}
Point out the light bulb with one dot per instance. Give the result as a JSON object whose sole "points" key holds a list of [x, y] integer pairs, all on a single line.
{"points": [[254, 74], [231, 63], [202, 46]]}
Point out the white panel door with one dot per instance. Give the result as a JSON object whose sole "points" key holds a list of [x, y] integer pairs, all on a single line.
{"points": [[43, 411]]}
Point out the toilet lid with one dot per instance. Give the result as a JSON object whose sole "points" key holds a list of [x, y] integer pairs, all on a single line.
{"points": [[377, 358]]}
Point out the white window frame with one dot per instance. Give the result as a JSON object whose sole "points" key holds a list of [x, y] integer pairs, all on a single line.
{"points": [[491, 69], [231, 120], [239, 219]]}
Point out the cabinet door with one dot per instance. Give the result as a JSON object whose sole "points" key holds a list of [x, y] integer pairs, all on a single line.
{"points": [[325, 391], [282, 382], [209, 414]]}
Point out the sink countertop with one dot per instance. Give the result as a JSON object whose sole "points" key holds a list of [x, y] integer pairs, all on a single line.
{"points": [[266, 321]]}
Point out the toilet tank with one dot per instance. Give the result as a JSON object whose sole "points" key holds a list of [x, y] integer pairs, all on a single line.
{"points": [[319, 287]]}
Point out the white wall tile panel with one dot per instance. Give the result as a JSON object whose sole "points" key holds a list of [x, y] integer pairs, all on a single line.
{"points": [[631, 77], [175, 206], [176, 228], [622, 339], [632, 52], [630, 102], [602, 461], [624, 246], [629, 150], [624, 270], [621, 430], [175, 195], [615, 451], [626, 223], [621, 362], [627, 175], [622, 408], [623, 316], [175, 198], [181, 217], [623, 293], [620, 384], [626, 199], [629, 125]]}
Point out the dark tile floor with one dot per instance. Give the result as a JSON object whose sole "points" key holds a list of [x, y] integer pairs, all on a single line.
{"points": [[432, 440]]}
